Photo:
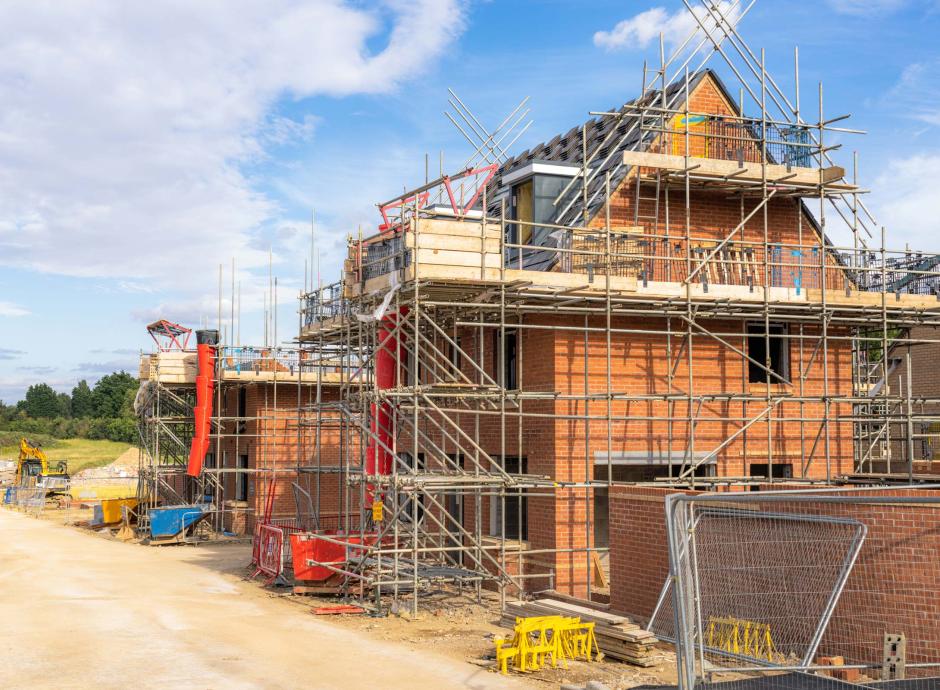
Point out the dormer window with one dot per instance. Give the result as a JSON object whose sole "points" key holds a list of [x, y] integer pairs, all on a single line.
{"points": [[535, 188]]}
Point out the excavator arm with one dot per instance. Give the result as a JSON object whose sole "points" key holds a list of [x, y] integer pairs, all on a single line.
{"points": [[34, 463]]}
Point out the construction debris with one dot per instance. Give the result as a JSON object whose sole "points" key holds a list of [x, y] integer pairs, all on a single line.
{"points": [[591, 685], [337, 610]]}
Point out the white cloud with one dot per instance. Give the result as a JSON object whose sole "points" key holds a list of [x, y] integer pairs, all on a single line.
{"points": [[13, 387], [917, 92], [10, 309], [866, 7], [639, 31], [125, 127], [96, 370], [39, 370], [912, 205]]}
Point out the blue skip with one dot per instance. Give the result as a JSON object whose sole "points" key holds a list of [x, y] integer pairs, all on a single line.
{"points": [[170, 521]]}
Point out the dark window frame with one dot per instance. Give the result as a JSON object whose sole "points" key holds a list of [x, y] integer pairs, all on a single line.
{"points": [[757, 341], [781, 470], [515, 502], [241, 478], [509, 349], [454, 354], [242, 410]]}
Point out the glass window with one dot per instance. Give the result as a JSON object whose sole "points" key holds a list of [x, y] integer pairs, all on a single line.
{"points": [[241, 479], [546, 189], [517, 506], [533, 202], [510, 360], [770, 348]]}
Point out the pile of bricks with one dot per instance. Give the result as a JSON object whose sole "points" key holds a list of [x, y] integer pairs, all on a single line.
{"points": [[850, 675]]}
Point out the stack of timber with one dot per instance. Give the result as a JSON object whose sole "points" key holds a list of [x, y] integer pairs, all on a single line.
{"points": [[434, 249], [617, 636], [169, 367]]}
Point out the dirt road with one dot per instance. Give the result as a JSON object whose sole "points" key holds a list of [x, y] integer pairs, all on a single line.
{"points": [[79, 611]]}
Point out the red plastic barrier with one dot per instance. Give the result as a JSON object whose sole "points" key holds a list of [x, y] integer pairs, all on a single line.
{"points": [[256, 544], [205, 354], [306, 547], [271, 550]]}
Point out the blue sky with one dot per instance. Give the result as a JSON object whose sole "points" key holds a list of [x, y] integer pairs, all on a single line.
{"points": [[143, 145]]}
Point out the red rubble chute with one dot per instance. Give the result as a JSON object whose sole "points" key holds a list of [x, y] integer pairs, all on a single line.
{"points": [[206, 342]]}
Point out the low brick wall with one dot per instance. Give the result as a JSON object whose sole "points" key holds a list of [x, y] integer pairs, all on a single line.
{"points": [[893, 587]]}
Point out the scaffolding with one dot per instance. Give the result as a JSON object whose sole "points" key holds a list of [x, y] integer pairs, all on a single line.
{"points": [[245, 467], [473, 305], [532, 364]]}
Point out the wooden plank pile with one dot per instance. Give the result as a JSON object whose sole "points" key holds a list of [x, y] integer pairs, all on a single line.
{"points": [[617, 636], [169, 367]]}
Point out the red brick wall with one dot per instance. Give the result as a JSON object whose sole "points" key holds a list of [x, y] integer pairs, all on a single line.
{"points": [[569, 363], [639, 559], [892, 587], [713, 215], [276, 443], [924, 388], [640, 365]]}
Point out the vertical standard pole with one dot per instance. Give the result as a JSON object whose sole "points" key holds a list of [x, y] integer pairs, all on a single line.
{"points": [[416, 381], [796, 78], [910, 423], [827, 403], [884, 349], [690, 423], [768, 271], [502, 416], [609, 362]]}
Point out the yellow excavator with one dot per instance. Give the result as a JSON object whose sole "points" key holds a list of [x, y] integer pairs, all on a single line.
{"points": [[33, 468]]}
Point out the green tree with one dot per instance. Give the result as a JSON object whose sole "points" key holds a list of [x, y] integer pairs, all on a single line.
{"points": [[7, 412], [83, 403], [110, 393], [41, 401], [123, 429], [64, 401]]}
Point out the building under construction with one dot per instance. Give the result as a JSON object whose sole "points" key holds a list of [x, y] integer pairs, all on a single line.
{"points": [[655, 299], [652, 297]]}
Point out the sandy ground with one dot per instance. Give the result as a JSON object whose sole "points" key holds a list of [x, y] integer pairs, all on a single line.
{"points": [[125, 465], [149, 607], [79, 611]]}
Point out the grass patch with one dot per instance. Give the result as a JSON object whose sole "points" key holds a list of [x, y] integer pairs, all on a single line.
{"points": [[81, 453]]}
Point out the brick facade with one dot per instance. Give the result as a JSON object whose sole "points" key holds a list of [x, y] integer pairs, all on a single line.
{"points": [[924, 387], [566, 358], [892, 587], [270, 436]]}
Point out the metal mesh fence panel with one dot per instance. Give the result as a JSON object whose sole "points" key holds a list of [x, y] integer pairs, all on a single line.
{"points": [[803, 589]]}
